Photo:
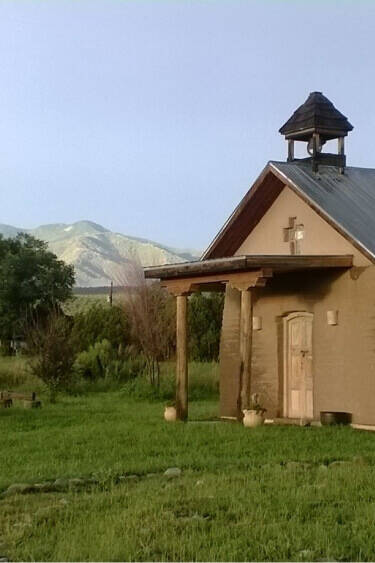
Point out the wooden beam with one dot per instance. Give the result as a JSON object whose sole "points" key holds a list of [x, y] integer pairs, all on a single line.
{"points": [[221, 267], [238, 280], [246, 336], [182, 359]]}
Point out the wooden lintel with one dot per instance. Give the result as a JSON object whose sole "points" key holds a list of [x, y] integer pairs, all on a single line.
{"points": [[238, 280]]}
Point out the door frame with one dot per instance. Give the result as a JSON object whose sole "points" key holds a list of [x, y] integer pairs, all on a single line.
{"points": [[286, 320]]}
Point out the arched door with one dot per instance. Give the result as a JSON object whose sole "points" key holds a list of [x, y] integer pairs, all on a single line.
{"points": [[298, 353]]}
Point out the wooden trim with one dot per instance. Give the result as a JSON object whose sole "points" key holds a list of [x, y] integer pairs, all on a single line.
{"points": [[243, 220]]}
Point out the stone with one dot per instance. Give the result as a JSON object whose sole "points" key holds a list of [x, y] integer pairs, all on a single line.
{"points": [[322, 468], [339, 463], [150, 475], [3, 559], [45, 487], [172, 472], [61, 484], [18, 489]]}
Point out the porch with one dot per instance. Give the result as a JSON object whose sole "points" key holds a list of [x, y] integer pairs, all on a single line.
{"points": [[244, 274]]}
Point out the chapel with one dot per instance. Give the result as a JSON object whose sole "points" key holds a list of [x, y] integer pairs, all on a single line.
{"points": [[296, 261]]}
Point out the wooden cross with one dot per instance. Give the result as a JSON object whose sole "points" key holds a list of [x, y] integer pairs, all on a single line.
{"points": [[294, 234]]}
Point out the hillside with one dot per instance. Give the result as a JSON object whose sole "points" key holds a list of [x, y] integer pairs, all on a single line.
{"points": [[98, 254]]}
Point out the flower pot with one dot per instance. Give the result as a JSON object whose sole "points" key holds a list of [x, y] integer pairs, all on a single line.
{"points": [[330, 418], [252, 418], [170, 414]]}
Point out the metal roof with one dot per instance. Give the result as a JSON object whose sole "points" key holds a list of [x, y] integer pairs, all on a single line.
{"points": [[347, 199]]}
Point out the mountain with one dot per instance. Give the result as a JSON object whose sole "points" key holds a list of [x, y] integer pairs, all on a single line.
{"points": [[98, 254]]}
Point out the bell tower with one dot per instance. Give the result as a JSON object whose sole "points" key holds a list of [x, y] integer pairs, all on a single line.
{"points": [[316, 122]]}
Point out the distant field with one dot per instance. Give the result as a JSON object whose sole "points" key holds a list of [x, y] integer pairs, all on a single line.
{"points": [[237, 499]]}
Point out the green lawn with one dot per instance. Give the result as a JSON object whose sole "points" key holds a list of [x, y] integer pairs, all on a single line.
{"points": [[237, 499]]}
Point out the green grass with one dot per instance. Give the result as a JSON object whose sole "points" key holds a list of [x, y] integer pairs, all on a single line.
{"points": [[236, 499]]}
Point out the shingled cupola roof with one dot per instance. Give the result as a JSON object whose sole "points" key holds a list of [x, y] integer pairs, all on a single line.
{"points": [[316, 115]]}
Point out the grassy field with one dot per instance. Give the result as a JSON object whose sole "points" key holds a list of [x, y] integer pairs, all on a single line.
{"points": [[238, 498]]}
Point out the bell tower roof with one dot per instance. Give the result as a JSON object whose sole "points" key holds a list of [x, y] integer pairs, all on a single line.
{"points": [[316, 115]]}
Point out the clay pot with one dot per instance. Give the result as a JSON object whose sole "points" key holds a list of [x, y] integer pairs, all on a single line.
{"points": [[252, 418], [170, 414]]}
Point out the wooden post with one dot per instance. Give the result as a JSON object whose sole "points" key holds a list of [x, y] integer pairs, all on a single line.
{"points": [[290, 150], [246, 337], [182, 359]]}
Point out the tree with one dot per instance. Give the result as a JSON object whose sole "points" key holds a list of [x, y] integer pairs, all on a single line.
{"points": [[32, 282], [205, 319], [152, 315], [100, 322]]}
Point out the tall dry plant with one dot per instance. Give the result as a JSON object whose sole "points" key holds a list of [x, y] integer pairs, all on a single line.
{"points": [[52, 353], [151, 313]]}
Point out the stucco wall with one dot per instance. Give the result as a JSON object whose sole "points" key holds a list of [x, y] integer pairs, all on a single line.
{"points": [[319, 237], [343, 355]]}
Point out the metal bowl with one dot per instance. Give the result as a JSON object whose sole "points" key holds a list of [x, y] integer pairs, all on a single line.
{"points": [[329, 418]]}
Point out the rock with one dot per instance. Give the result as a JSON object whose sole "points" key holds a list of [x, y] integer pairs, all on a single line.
{"points": [[339, 463], [18, 489], [61, 484], [172, 472], [128, 477], [3, 559], [322, 468], [149, 475], [45, 487], [199, 482]]}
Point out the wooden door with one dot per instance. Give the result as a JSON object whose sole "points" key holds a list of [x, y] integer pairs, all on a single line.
{"points": [[298, 380]]}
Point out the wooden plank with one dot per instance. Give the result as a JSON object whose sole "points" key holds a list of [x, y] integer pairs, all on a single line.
{"points": [[245, 217], [182, 359]]}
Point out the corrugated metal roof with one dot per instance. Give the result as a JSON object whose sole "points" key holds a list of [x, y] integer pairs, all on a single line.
{"points": [[348, 199]]}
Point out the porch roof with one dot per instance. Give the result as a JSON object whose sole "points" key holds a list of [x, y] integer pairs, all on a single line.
{"points": [[235, 264]]}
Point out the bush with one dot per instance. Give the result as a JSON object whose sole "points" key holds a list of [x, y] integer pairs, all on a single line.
{"points": [[205, 319], [93, 363], [100, 322], [52, 353], [101, 361], [203, 383]]}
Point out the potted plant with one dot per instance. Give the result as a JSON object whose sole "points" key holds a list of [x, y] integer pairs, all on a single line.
{"points": [[170, 412], [254, 416]]}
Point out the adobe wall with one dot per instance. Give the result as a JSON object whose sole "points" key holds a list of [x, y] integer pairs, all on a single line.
{"points": [[319, 237], [343, 355]]}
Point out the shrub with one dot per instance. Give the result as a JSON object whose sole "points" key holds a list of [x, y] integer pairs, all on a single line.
{"points": [[93, 363], [102, 361], [52, 353]]}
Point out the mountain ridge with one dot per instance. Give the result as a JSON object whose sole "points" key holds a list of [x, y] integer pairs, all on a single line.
{"points": [[99, 255]]}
